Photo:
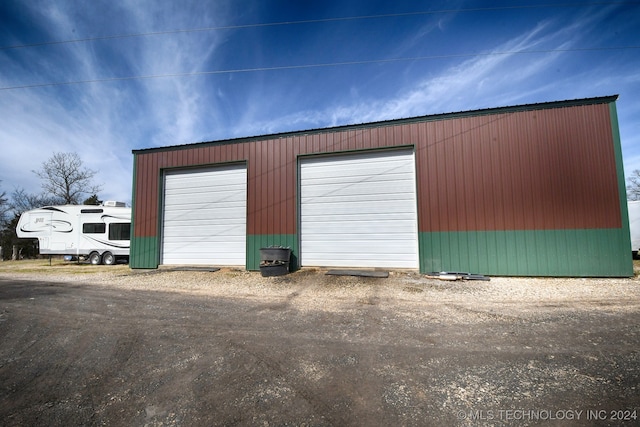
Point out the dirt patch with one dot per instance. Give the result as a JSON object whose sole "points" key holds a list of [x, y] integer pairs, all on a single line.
{"points": [[95, 345]]}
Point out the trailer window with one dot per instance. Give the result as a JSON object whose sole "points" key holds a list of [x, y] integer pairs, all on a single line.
{"points": [[120, 231], [94, 228]]}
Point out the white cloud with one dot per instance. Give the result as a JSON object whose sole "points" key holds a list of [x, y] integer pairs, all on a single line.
{"points": [[463, 86], [102, 122]]}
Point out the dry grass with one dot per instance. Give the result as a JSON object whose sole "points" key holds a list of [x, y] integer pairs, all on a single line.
{"points": [[57, 266]]}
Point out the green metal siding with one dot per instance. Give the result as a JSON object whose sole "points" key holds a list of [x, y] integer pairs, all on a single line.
{"points": [[257, 241], [144, 252], [622, 187], [577, 253]]}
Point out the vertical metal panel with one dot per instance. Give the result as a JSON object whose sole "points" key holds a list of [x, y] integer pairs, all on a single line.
{"points": [[569, 252], [542, 169], [615, 131], [252, 190], [139, 211], [289, 188], [261, 171], [146, 196], [273, 176], [144, 252]]}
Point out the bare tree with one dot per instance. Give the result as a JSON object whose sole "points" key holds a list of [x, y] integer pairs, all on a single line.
{"points": [[633, 187], [23, 201], [65, 177], [5, 240], [4, 207]]}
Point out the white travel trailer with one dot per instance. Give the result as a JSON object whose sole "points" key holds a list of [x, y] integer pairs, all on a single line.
{"points": [[634, 226], [98, 233]]}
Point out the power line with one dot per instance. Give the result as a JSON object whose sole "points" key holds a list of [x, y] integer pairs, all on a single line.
{"points": [[314, 21], [321, 65]]}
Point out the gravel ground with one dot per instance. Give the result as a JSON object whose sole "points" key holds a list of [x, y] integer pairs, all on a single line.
{"points": [[314, 290], [311, 290], [234, 348]]}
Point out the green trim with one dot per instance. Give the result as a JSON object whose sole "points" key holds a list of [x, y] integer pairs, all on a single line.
{"points": [[572, 253], [160, 207], [133, 212], [144, 252], [257, 241], [622, 187]]}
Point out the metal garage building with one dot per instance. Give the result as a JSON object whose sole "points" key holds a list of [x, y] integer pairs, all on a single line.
{"points": [[531, 190]]}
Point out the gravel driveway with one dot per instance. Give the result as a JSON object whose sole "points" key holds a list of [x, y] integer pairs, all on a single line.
{"points": [[98, 345]]}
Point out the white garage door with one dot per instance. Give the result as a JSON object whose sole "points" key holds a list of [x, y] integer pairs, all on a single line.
{"points": [[204, 219], [359, 210]]}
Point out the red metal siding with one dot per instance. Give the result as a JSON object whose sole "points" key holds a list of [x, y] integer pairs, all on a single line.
{"points": [[527, 170], [271, 188], [543, 169], [146, 201]]}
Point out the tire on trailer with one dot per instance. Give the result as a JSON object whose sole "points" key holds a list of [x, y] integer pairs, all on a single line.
{"points": [[95, 258], [108, 258]]}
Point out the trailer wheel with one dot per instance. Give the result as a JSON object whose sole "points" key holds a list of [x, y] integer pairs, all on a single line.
{"points": [[94, 258], [108, 258]]}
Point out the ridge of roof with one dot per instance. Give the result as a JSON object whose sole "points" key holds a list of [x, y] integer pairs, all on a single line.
{"points": [[392, 122]]}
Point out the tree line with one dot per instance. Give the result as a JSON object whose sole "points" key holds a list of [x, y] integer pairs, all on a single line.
{"points": [[64, 181]]}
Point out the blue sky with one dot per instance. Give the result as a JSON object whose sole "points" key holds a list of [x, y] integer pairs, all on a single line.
{"points": [[199, 70]]}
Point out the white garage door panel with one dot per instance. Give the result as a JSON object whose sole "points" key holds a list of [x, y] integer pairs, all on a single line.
{"points": [[213, 216], [370, 228], [195, 233], [204, 220], [355, 208], [336, 196], [359, 211]]}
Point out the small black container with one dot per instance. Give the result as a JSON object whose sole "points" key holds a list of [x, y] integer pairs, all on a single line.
{"points": [[279, 269], [274, 261], [275, 254]]}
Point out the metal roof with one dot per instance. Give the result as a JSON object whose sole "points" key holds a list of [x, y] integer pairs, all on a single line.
{"points": [[393, 122]]}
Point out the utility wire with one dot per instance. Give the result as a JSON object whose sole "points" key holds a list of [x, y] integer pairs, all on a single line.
{"points": [[314, 21], [321, 65]]}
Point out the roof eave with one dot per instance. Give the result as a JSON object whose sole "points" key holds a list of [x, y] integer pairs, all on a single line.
{"points": [[393, 122]]}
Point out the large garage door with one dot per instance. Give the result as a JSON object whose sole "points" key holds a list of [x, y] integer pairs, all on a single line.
{"points": [[359, 211], [204, 219]]}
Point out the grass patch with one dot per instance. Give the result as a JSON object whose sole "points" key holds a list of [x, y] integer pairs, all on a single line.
{"points": [[42, 266]]}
